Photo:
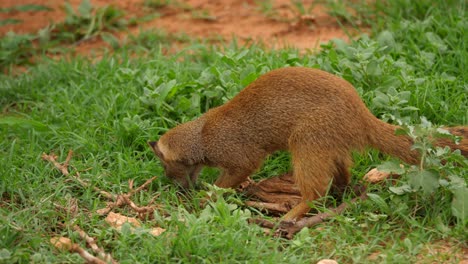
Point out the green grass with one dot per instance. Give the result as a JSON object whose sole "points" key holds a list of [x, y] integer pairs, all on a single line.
{"points": [[413, 65], [82, 24]]}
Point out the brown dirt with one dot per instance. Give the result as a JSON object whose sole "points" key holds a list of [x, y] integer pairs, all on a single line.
{"points": [[200, 19]]}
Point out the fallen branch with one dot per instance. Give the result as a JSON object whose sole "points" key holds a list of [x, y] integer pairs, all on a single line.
{"points": [[288, 229], [64, 243], [118, 200], [94, 247], [124, 199], [275, 195], [72, 209], [63, 168], [279, 195], [264, 223]]}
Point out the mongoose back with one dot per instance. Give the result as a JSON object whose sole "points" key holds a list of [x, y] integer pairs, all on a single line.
{"points": [[315, 115]]}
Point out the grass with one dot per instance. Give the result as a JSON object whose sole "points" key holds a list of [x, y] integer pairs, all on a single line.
{"points": [[81, 24], [413, 65]]}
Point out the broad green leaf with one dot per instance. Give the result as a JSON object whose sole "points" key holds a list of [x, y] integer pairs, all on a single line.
{"points": [[410, 108], [385, 38], [428, 58], [183, 104], [206, 77], [163, 91], [383, 206], [460, 203], [427, 180], [85, 8], [375, 217], [400, 190], [340, 44], [248, 75], [5, 254], [457, 182], [390, 81], [242, 54], [404, 95], [391, 167], [68, 10], [436, 41], [381, 99], [229, 61], [373, 68], [195, 101]]}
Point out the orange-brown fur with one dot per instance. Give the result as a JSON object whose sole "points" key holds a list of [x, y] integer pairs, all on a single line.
{"points": [[315, 115]]}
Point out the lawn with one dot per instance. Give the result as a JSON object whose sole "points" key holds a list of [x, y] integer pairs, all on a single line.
{"points": [[410, 70]]}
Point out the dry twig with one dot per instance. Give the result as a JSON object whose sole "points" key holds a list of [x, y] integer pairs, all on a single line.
{"points": [[64, 243], [124, 199], [63, 168], [72, 210], [278, 195], [288, 229], [94, 247], [118, 200]]}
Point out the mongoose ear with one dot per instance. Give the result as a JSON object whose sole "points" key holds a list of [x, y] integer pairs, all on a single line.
{"points": [[154, 147], [153, 144], [158, 150]]}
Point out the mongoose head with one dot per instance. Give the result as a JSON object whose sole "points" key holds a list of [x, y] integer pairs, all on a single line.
{"points": [[180, 154]]}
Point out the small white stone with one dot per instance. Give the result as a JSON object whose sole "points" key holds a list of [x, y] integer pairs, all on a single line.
{"points": [[327, 261]]}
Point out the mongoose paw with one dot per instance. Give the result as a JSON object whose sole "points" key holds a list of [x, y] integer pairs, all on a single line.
{"points": [[284, 229]]}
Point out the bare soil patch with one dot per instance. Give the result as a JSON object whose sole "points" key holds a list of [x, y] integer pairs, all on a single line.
{"points": [[277, 26]]}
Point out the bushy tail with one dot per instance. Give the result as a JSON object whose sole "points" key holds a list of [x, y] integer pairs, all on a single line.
{"points": [[461, 131], [384, 139]]}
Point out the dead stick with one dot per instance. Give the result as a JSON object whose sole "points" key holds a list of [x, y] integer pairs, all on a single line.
{"points": [[124, 199], [289, 229], [94, 247], [67, 160], [132, 192], [263, 223], [52, 159], [65, 243], [63, 168]]}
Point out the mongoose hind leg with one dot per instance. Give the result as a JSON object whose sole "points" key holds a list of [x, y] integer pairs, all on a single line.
{"points": [[315, 166]]}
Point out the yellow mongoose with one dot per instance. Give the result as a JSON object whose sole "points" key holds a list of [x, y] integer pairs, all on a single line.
{"points": [[315, 115]]}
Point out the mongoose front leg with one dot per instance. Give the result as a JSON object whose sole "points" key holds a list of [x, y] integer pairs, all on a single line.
{"points": [[297, 212], [228, 179], [232, 178]]}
